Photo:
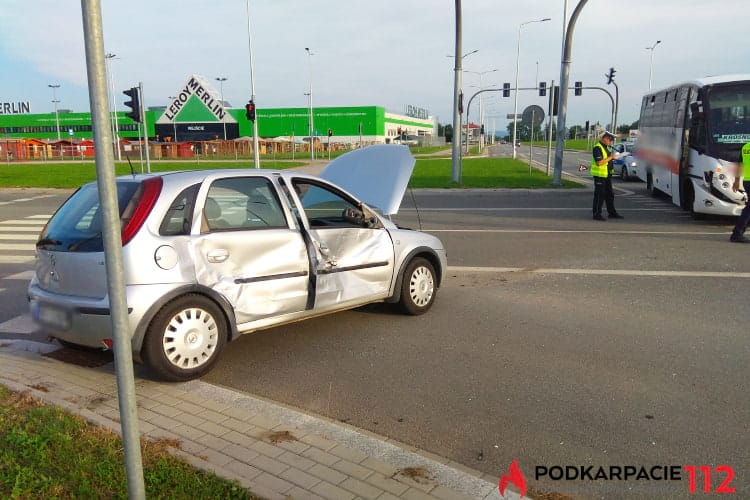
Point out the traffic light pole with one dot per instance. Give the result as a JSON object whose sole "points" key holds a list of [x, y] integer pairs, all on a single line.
{"points": [[145, 126]]}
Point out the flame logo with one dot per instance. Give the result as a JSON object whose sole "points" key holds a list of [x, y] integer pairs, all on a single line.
{"points": [[515, 477]]}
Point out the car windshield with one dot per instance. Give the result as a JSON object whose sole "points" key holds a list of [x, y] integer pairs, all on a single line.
{"points": [[77, 225]]}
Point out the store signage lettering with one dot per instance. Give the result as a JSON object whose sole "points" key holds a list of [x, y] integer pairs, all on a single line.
{"points": [[416, 112], [14, 108], [195, 87]]}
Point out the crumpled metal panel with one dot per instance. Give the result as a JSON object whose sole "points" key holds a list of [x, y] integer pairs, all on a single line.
{"points": [[265, 272], [357, 265]]}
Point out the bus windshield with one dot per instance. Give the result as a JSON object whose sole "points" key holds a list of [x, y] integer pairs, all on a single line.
{"points": [[728, 114]]}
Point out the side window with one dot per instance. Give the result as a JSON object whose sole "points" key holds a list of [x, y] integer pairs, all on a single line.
{"points": [[242, 203], [180, 214], [323, 206]]}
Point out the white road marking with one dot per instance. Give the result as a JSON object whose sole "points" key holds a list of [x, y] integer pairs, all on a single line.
{"points": [[42, 216], [25, 275], [11, 236], [28, 229], [15, 259], [13, 246], [599, 272], [20, 324], [16, 222], [572, 231]]}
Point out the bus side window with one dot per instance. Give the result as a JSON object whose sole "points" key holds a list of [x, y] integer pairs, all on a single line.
{"points": [[697, 138]]}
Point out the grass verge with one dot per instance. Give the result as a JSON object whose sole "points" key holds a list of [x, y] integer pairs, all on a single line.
{"points": [[481, 173], [47, 453]]}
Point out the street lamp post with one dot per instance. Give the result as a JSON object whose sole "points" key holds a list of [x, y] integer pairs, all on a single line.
{"points": [[115, 125], [457, 99], [481, 109], [651, 65], [256, 148], [312, 125], [515, 99], [174, 119], [55, 102], [221, 81]]}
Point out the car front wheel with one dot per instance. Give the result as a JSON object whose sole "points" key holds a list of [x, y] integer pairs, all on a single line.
{"points": [[418, 287], [185, 338]]}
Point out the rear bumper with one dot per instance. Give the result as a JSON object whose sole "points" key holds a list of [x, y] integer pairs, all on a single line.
{"points": [[87, 321]]}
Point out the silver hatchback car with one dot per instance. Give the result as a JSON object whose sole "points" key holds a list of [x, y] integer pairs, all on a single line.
{"points": [[212, 254]]}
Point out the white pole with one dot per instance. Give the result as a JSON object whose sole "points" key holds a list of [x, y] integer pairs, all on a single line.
{"points": [[256, 147], [310, 97]]}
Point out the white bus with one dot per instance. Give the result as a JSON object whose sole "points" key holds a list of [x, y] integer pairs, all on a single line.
{"points": [[690, 140]]}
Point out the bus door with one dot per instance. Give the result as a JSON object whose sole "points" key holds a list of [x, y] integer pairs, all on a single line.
{"points": [[685, 191]]}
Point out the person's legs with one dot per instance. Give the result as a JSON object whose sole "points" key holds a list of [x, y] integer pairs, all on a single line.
{"points": [[742, 223], [599, 183], [609, 197]]}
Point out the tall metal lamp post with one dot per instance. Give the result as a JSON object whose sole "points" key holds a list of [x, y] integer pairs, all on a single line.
{"points": [[55, 102], [115, 126], [256, 147], [481, 109], [312, 125], [221, 81], [515, 99], [651, 65]]}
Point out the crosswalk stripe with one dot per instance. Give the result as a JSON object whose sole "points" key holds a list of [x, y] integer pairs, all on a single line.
{"points": [[15, 259], [42, 216], [29, 247], [25, 221], [23, 276], [20, 324], [28, 229], [11, 236]]}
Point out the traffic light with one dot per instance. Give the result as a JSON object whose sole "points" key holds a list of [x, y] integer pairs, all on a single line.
{"points": [[542, 89], [578, 88], [481, 129], [555, 99], [506, 89], [610, 76], [134, 104], [588, 127], [330, 132], [250, 110]]}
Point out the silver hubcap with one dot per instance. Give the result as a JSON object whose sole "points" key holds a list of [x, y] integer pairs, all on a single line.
{"points": [[190, 339], [421, 286]]}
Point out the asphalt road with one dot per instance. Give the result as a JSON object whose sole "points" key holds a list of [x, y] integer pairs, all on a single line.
{"points": [[555, 340]]}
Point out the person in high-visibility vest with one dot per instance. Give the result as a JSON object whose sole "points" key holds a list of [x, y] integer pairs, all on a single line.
{"points": [[738, 233], [601, 170]]}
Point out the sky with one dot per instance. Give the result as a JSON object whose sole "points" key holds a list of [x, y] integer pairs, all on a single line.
{"points": [[372, 53]]}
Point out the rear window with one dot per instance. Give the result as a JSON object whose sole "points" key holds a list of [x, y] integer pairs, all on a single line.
{"points": [[77, 225]]}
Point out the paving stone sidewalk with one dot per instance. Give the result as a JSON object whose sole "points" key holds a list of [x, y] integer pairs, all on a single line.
{"points": [[275, 451]]}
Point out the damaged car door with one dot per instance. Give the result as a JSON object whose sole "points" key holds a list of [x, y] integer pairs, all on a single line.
{"points": [[248, 251], [354, 260]]}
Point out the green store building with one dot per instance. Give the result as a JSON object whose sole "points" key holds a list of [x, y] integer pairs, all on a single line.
{"points": [[196, 115]]}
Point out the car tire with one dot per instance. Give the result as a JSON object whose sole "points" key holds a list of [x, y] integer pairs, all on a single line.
{"points": [[418, 287], [185, 338]]}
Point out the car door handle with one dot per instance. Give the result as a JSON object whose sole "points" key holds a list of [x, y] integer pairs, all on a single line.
{"points": [[218, 256], [324, 250]]}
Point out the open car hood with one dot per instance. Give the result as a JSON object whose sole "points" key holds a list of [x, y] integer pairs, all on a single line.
{"points": [[378, 174]]}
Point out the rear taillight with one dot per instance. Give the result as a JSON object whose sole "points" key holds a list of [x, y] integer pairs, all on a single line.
{"points": [[141, 204]]}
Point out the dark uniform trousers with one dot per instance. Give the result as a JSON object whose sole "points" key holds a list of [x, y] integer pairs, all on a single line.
{"points": [[744, 219], [603, 193]]}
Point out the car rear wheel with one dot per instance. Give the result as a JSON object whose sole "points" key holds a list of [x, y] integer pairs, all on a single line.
{"points": [[418, 288], [185, 338]]}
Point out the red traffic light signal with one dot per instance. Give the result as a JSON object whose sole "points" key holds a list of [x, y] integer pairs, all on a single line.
{"points": [[134, 104], [250, 111]]}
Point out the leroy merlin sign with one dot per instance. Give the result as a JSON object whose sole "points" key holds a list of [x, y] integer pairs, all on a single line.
{"points": [[196, 102]]}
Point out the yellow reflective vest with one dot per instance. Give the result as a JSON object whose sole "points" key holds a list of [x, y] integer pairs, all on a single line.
{"points": [[596, 170]]}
